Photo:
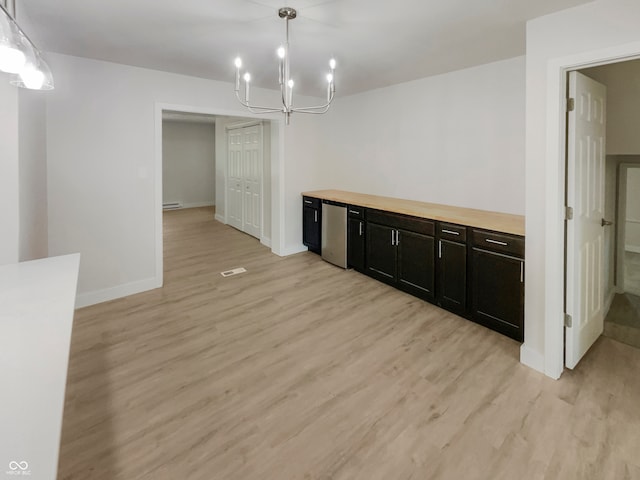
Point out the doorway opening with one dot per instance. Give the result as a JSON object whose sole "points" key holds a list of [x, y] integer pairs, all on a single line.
{"points": [[622, 322], [209, 186], [601, 260]]}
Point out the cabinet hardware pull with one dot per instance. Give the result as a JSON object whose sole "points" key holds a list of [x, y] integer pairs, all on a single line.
{"points": [[315, 216], [504, 244], [393, 237], [360, 228], [521, 272], [355, 212], [450, 231], [397, 237], [308, 201], [440, 249]]}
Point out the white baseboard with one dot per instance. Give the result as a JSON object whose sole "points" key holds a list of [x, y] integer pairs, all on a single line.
{"points": [[531, 358], [632, 248], [266, 241], [198, 205], [99, 296], [220, 218], [292, 250]]}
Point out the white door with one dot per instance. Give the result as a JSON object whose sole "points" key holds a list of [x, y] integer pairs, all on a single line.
{"points": [[252, 176], [234, 178], [585, 234]]}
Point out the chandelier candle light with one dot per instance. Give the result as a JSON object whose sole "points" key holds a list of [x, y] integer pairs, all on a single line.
{"points": [[18, 54], [286, 82]]}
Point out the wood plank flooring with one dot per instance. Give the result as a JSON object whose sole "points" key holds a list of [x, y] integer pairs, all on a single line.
{"points": [[300, 370]]}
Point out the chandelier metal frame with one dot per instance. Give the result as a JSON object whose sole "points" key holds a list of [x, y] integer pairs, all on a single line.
{"points": [[285, 80]]}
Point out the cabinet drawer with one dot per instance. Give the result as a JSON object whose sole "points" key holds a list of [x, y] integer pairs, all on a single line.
{"points": [[453, 232], [499, 242], [403, 222], [355, 211], [311, 202]]}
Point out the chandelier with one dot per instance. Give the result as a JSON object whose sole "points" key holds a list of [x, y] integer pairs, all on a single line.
{"points": [[18, 54], [286, 82]]}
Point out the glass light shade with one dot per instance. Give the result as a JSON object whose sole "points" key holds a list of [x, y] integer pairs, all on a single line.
{"points": [[247, 77], [35, 75], [332, 64], [238, 62], [12, 58], [281, 52]]}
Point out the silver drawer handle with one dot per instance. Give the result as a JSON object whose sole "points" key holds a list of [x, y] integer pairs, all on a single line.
{"points": [[354, 212], [315, 216], [308, 201], [451, 232], [504, 244], [360, 229]]}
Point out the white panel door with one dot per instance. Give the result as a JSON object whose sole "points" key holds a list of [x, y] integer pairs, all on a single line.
{"points": [[252, 170], [585, 233], [235, 186]]}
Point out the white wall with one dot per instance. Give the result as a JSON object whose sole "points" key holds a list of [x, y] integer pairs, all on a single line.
{"points": [[32, 174], [623, 105], [188, 163], [632, 234], [102, 174], [584, 32], [456, 139], [9, 173]]}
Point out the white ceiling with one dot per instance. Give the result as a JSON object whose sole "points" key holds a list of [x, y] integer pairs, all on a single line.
{"points": [[376, 42]]}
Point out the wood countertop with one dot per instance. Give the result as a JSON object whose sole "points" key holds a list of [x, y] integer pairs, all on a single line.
{"points": [[499, 222]]}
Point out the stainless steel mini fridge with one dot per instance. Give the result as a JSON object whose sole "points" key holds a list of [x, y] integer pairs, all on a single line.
{"points": [[334, 233]]}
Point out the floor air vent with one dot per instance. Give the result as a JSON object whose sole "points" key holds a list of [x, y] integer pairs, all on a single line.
{"points": [[235, 271]]}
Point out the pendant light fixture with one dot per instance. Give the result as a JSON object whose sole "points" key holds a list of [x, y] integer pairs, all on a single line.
{"points": [[18, 54], [286, 82]]}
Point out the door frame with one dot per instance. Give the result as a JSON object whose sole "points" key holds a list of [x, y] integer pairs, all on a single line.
{"points": [[277, 175], [555, 178], [621, 224]]}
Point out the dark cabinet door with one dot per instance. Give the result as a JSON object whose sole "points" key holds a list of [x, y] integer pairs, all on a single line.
{"points": [[381, 252], [311, 228], [498, 292], [452, 276], [416, 268], [355, 244]]}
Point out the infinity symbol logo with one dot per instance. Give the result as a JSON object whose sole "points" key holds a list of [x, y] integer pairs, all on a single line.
{"points": [[18, 465]]}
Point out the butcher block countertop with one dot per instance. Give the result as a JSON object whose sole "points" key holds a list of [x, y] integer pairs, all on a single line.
{"points": [[498, 222]]}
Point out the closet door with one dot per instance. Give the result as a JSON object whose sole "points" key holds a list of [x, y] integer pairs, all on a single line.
{"points": [[235, 181], [252, 179]]}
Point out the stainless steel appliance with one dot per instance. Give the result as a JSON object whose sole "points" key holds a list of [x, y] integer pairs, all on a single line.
{"points": [[334, 233]]}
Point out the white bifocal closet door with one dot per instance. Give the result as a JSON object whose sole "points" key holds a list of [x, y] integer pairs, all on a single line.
{"points": [[252, 165], [245, 179], [234, 178]]}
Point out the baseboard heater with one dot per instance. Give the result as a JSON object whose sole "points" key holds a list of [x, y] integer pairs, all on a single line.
{"points": [[171, 205]]}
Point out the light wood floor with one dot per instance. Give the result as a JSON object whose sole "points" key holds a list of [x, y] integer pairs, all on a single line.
{"points": [[300, 370]]}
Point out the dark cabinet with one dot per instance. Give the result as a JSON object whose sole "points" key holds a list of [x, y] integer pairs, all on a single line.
{"points": [[475, 273], [311, 223], [401, 252], [356, 238], [452, 267], [498, 282], [381, 252]]}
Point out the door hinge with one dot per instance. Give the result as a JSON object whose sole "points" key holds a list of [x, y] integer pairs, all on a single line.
{"points": [[568, 321], [568, 213], [571, 104]]}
